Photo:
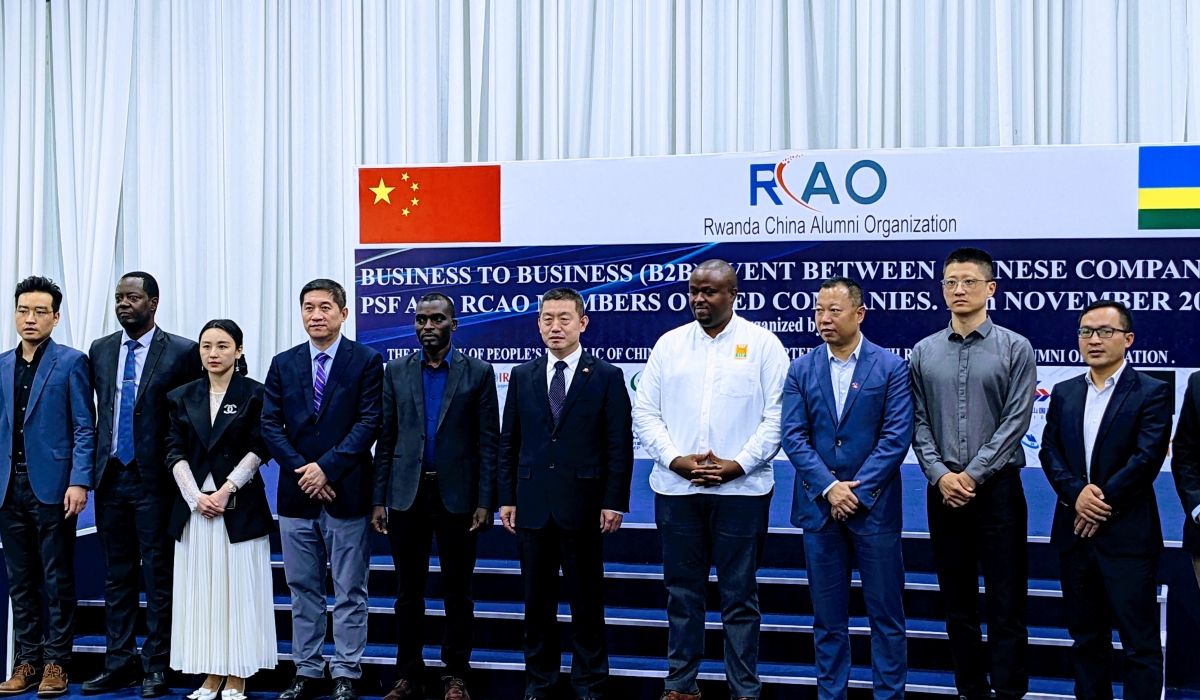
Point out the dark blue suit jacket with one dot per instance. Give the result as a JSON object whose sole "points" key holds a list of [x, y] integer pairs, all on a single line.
{"points": [[573, 469], [59, 423], [1129, 452], [338, 439], [867, 443]]}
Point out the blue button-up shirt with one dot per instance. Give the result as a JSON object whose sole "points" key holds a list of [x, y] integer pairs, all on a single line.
{"points": [[433, 381], [840, 373]]}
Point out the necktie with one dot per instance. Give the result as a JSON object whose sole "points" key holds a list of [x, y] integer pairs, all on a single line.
{"points": [[125, 450], [558, 390], [319, 381]]}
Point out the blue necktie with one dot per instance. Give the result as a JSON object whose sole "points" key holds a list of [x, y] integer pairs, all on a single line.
{"points": [[558, 390], [125, 451], [319, 381]]}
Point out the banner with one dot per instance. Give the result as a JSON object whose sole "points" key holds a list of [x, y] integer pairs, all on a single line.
{"points": [[1061, 223]]}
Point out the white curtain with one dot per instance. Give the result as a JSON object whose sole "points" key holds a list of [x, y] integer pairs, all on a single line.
{"points": [[214, 143]]}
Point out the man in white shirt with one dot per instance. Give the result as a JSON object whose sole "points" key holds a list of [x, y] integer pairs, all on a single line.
{"points": [[708, 409], [1105, 440]]}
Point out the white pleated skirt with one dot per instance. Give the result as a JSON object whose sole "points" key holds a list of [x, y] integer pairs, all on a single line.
{"points": [[223, 618]]}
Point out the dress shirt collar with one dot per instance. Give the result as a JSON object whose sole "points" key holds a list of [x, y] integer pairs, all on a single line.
{"points": [[37, 354], [572, 360], [984, 330], [445, 360], [143, 341], [853, 355], [331, 351], [1110, 382], [728, 330]]}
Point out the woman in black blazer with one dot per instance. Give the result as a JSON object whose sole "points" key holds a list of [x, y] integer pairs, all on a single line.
{"points": [[224, 619]]}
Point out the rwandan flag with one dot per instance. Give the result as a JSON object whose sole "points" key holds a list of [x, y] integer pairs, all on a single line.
{"points": [[1169, 187]]}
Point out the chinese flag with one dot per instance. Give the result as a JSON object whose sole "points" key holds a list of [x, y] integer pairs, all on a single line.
{"points": [[452, 204]]}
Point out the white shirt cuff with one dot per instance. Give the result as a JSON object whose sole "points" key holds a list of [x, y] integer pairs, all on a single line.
{"points": [[1196, 514], [828, 489]]}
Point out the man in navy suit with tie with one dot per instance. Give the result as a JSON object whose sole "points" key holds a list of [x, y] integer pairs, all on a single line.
{"points": [[566, 460], [321, 415], [847, 424], [1106, 436], [45, 394], [132, 373]]}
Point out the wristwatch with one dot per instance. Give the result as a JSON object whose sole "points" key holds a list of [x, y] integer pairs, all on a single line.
{"points": [[231, 486]]}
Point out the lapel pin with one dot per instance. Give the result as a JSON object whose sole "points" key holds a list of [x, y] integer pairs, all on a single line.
{"points": [[854, 385], [586, 370], [230, 409]]}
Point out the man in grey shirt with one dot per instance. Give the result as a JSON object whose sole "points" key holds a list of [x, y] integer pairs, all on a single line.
{"points": [[973, 391]]}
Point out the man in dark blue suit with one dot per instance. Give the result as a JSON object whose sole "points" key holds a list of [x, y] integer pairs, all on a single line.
{"points": [[1105, 440], [566, 460], [45, 393], [133, 370], [847, 424], [321, 415]]}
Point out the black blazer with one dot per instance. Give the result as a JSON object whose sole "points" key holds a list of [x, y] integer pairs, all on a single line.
{"points": [[217, 447], [1185, 462], [1131, 445], [572, 470], [338, 439], [468, 431], [171, 362]]}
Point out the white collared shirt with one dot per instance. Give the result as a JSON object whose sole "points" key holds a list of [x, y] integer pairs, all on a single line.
{"points": [[572, 361], [841, 373], [723, 394], [140, 351], [1093, 411]]}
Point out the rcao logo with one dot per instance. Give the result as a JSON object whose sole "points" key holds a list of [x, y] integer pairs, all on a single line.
{"points": [[770, 176]]}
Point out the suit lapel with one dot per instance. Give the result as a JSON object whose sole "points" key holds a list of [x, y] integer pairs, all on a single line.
{"points": [[157, 344], [862, 370], [416, 384], [196, 402], [541, 388], [8, 363], [45, 367], [1121, 391], [340, 360], [1073, 440], [231, 406], [583, 372], [304, 366], [108, 355], [826, 382], [457, 367]]}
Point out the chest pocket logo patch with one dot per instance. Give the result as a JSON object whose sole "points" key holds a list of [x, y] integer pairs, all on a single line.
{"points": [[740, 352]]}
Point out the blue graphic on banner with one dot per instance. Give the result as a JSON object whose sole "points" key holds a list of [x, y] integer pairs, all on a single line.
{"points": [[634, 293]]}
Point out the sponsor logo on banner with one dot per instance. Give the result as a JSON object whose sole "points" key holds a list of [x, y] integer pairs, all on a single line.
{"points": [[769, 177]]}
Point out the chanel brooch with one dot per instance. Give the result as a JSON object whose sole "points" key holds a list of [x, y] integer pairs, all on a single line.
{"points": [[230, 409]]}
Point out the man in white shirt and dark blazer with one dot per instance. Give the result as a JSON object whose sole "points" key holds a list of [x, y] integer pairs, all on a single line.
{"points": [[708, 412]]}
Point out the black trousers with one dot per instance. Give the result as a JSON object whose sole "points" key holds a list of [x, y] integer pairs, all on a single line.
{"points": [[580, 553], [990, 531], [1102, 592], [39, 544], [131, 519], [411, 534]]}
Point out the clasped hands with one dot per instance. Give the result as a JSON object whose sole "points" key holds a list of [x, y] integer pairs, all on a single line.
{"points": [[957, 489], [707, 469], [314, 482], [842, 501], [1090, 511]]}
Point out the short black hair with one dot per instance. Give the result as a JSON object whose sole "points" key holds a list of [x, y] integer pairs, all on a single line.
{"points": [[566, 294], [853, 288], [438, 296], [148, 282], [1126, 314], [972, 255], [727, 271], [323, 285], [34, 283]]}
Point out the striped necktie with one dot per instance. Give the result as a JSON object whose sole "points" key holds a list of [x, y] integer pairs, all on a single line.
{"points": [[319, 381]]}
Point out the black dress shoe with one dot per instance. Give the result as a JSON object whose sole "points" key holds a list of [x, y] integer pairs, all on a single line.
{"points": [[154, 685], [109, 681], [302, 688], [343, 689]]}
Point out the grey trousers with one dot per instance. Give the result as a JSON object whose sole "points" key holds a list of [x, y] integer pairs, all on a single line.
{"points": [[307, 547]]}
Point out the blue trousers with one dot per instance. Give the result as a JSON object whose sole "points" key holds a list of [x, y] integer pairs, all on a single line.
{"points": [[831, 553], [700, 531]]}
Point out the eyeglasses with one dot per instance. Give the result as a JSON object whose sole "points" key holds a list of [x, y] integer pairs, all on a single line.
{"points": [[39, 312], [1104, 332], [965, 284]]}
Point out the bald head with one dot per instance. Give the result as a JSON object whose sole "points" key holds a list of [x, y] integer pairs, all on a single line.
{"points": [[712, 290]]}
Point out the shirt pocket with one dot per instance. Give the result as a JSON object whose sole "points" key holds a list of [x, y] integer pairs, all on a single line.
{"points": [[736, 378]]}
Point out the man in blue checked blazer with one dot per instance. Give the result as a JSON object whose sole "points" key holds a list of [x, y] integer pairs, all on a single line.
{"points": [[847, 425]]}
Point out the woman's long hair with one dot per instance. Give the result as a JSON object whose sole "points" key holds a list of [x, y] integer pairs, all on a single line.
{"points": [[234, 332]]}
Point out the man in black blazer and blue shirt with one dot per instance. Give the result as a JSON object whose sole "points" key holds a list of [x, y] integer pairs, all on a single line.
{"points": [[566, 459], [435, 473], [45, 395], [1105, 440], [132, 373], [320, 418]]}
